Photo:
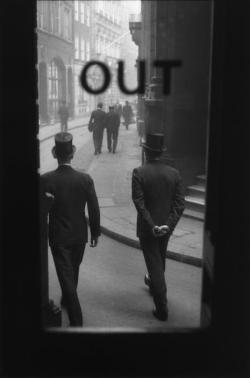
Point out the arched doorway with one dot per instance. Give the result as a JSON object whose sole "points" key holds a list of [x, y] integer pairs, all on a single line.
{"points": [[57, 87], [42, 93]]}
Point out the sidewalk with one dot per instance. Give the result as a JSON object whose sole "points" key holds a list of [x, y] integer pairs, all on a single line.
{"points": [[112, 177], [46, 132]]}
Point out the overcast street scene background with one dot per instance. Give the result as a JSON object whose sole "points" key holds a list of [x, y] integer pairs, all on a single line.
{"points": [[111, 289]]}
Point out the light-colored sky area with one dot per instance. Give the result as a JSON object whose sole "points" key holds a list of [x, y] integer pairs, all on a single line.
{"points": [[133, 5]]}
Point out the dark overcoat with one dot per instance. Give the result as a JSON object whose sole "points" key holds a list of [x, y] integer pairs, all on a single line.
{"points": [[112, 121], [72, 190], [97, 121], [158, 195], [127, 113]]}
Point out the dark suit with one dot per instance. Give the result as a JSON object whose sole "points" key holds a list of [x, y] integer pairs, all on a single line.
{"points": [[68, 233], [97, 121], [158, 196], [112, 124]]}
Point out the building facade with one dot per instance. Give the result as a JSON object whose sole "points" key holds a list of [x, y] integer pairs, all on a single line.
{"points": [[107, 39], [55, 40], [129, 52], [83, 29], [177, 30]]}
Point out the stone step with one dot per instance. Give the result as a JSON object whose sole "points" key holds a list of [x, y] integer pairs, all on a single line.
{"points": [[194, 214], [195, 203], [201, 180], [198, 191]]}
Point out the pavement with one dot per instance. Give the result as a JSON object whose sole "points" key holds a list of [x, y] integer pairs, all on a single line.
{"points": [[113, 295], [47, 131], [112, 177]]}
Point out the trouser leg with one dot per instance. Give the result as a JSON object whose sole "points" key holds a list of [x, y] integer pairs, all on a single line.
{"points": [[115, 139], [65, 273], [153, 249], [100, 139], [76, 259], [109, 140], [95, 140]]}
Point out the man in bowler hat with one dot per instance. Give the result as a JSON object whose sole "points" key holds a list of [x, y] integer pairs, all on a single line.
{"points": [[97, 125], [112, 125], [71, 191], [158, 195]]}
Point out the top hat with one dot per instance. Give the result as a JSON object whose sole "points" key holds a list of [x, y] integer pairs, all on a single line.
{"points": [[63, 144], [154, 142]]}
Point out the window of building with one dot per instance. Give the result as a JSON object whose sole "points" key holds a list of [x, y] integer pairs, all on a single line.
{"points": [[40, 14], [102, 46], [101, 5], [43, 15], [80, 95], [76, 6], [76, 46], [55, 87], [82, 11], [67, 24], [98, 45], [54, 17], [87, 51], [82, 49], [70, 25], [88, 15]]}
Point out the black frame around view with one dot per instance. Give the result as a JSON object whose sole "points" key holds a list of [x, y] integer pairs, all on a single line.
{"points": [[221, 348]]}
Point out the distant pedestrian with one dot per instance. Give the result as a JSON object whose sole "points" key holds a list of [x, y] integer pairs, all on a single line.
{"points": [[70, 191], [64, 116], [97, 125], [112, 125], [158, 195], [127, 114], [118, 109]]}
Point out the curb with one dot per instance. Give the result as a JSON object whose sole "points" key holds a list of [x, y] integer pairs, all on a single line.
{"points": [[191, 260], [71, 128]]}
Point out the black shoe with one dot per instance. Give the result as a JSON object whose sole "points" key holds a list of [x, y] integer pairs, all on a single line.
{"points": [[161, 315], [96, 153]]}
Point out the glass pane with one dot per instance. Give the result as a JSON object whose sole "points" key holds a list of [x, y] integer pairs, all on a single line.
{"points": [[150, 253]]}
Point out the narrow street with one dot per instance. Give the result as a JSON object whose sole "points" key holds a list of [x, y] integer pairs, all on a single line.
{"points": [[111, 287], [112, 292]]}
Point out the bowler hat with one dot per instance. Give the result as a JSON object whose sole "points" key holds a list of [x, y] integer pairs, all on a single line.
{"points": [[63, 144], [154, 142]]}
